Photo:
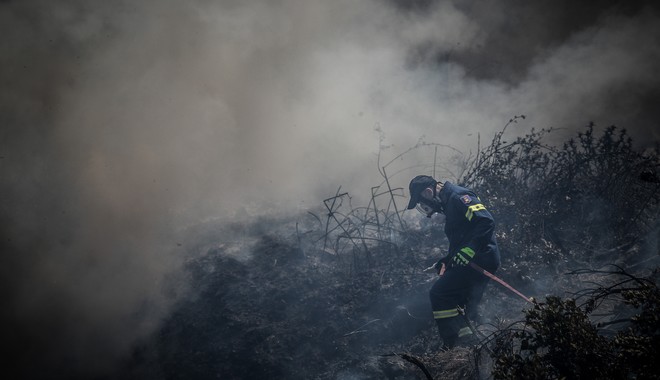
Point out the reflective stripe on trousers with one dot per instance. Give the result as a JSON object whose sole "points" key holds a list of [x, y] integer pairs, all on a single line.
{"points": [[441, 314]]}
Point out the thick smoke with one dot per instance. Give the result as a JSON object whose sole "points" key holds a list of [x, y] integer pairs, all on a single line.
{"points": [[124, 122]]}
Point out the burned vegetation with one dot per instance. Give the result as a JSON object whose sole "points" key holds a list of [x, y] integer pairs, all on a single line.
{"points": [[339, 292]]}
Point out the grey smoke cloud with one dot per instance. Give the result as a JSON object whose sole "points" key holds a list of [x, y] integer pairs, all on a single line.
{"points": [[125, 122]]}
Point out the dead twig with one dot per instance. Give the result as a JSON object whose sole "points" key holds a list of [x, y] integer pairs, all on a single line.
{"points": [[357, 331], [413, 360]]}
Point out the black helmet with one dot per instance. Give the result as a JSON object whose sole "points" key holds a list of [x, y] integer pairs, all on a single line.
{"points": [[417, 185]]}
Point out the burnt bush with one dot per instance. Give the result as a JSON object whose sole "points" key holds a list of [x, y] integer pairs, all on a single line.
{"points": [[573, 201], [558, 338]]}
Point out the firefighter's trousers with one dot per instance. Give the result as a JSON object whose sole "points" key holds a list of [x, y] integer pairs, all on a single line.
{"points": [[458, 287]]}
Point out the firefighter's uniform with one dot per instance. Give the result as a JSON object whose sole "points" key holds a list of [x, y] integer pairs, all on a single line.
{"points": [[469, 226]]}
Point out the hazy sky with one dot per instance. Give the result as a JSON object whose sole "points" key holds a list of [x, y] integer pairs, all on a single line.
{"points": [[125, 121]]}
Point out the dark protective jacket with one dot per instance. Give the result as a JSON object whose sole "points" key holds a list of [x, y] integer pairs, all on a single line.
{"points": [[469, 224]]}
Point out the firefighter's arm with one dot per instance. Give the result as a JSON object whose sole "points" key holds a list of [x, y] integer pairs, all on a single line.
{"points": [[482, 226]]}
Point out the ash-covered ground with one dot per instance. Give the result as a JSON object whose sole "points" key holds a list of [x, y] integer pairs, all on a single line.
{"points": [[292, 310]]}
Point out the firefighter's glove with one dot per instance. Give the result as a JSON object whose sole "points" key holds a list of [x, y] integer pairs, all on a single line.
{"points": [[463, 257]]}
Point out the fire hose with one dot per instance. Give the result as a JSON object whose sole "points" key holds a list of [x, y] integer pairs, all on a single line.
{"points": [[489, 275], [502, 282]]}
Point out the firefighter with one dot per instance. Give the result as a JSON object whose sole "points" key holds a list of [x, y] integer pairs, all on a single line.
{"points": [[469, 227]]}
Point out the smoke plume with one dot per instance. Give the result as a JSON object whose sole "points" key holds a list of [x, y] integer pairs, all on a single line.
{"points": [[125, 122]]}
